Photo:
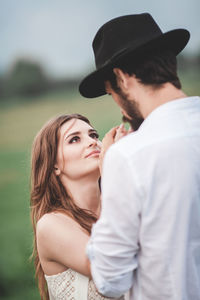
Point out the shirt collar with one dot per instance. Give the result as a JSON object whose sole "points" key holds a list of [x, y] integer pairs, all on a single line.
{"points": [[169, 107]]}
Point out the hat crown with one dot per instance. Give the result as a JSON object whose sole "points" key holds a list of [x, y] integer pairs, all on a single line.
{"points": [[128, 37], [122, 33]]}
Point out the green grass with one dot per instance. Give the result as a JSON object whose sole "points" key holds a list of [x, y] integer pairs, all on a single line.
{"points": [[191, 82], [16, 273], [19, 124]]}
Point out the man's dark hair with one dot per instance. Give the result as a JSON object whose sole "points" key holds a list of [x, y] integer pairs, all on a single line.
{"points": [[154, 68]]}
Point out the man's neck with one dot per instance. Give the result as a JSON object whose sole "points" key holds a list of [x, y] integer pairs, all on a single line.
{"points": [[151, 98]]}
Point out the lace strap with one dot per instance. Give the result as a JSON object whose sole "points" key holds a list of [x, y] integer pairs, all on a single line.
{"points": [[81, 287]]}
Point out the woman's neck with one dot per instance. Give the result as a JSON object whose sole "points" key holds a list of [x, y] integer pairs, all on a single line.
{"points": [[85, 192]]}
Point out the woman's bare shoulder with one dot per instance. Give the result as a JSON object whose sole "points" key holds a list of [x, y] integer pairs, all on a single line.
{"points": [[55, 220], [56, 228], [61, 239]]}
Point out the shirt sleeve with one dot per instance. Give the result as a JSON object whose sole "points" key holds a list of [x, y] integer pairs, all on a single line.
{"points": [[113, 246]]}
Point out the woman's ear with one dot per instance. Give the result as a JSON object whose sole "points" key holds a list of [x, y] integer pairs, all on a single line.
{"points": [[122, 78], [56, 170]]}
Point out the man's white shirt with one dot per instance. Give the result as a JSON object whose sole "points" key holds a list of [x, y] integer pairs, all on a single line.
{"points": [[148, 236]]}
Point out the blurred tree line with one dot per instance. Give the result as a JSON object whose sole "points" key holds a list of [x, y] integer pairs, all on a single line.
{"points": [[27, 79], [189, 63]]}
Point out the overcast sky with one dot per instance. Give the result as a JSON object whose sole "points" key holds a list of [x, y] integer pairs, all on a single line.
{"points": [[59, 33]]}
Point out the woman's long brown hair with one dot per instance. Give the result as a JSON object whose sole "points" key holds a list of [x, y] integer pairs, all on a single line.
{"points": [[47, 192]]}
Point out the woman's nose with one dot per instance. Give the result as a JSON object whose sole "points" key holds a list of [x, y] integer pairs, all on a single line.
{"points": [[92, 142]]}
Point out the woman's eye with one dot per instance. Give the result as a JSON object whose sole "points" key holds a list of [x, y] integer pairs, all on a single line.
{"points": [[74, 139], [94, 135]]}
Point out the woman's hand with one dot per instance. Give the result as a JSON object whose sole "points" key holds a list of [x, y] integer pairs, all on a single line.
{"points": [[112, 136], [120, 132]]}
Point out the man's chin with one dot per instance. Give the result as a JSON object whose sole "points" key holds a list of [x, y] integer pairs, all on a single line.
{"points": [[134, 123]]}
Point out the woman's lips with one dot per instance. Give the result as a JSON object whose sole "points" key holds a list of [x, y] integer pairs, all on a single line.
{"points": [[93, 153]]}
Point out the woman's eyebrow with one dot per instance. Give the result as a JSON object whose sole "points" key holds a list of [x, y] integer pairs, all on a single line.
{"points": [[92, 130], [73, 133], [78, 133]]}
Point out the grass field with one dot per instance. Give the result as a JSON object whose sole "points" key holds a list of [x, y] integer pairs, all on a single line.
{"points": [[18, 126]]}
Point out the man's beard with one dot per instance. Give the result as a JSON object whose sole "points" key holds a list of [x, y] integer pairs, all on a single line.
{"points": [[134, 117]]}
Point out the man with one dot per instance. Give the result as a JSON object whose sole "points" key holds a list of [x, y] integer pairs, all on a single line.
{"points": [[148, 236]]}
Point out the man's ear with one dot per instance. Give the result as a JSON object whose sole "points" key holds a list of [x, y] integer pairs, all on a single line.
{"points": [[122, 78], [56, 170]]}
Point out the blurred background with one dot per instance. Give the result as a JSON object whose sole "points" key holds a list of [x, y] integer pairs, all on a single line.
{"points": [[45, 50]]}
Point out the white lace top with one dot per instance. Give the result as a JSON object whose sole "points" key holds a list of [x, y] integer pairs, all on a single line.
{"points": [[71, 285]]}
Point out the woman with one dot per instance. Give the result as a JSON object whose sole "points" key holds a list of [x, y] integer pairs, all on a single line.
{"points": [[65, 202]]}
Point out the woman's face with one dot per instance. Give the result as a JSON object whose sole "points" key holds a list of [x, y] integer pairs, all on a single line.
{"points": [[78, 150]]}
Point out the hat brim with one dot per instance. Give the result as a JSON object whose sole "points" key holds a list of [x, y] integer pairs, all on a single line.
{"points": [[93, 86]]}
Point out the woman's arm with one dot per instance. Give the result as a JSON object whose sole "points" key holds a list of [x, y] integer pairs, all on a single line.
{"points": [[61, 244]]}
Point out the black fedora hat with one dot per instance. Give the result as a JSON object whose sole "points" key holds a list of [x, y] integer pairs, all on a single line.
{"points": [[125, 35]]}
